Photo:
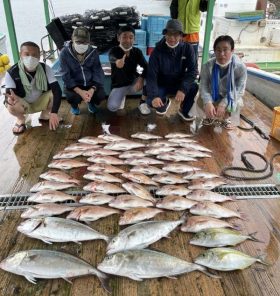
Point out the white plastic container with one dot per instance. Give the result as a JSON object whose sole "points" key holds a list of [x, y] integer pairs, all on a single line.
{"points": [[221, 6]]}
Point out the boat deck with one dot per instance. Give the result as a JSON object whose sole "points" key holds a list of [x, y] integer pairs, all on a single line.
{"points": [[25, 157]]}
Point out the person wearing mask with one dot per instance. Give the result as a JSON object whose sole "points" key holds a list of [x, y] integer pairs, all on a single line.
{"points": [[171, 71], [222, 84], [82, 73], [30, 88], [125, 60]]}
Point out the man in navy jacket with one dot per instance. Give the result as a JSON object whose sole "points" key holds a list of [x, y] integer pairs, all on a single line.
{"points": [[82, 72], [172, 71]]}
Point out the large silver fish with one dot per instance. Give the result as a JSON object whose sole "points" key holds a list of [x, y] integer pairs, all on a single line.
{"points": [[145, 264], [59, 176], [207, 184], [107, 159], [139, 178], [103, 167], [146, 169], [68, 154], [132, 154], [220, 237], [91, 213], [81, 147], [179, 168], [123, 145], [103, 187], [141, 235], [51, 185], [226, 259], [139, 190], [96, 199], [145, 136], [46, 209], [142, 161], [168, 178], [135, 215], [204, 195], [92, 140], [178, 135], [210, 209], [99, 151], [46, 196], [53, 229], [174, 156], [102, 177], [173, 190], [175, 203], [66, 164], [199, 223], [128, 201], [46, 264]]}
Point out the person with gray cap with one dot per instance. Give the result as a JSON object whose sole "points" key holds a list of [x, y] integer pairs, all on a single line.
{"points": [[172, 71], [82, 73], [125, 59]]}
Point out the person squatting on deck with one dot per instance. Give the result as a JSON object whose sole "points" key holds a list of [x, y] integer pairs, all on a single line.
{"points": [[222, 84], [125, 60], [172, 71], [82, 73], [31, 87]]}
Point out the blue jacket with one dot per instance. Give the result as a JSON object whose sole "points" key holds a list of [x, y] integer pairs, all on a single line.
{"points": [[84, 75], [171, 67]]}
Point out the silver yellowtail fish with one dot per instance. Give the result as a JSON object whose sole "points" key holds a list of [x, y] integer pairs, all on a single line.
{"points": [[199, 223], [139, 214], [147, 170], [107, 159], [101, 167], [204, 195], [46, 264], [92, 140], [132, 154], [178, 135], [53, 229], [139, 190], [173, 190], [46, 196], [68, 154], [175, 203], [139, 178], [123, 145], [103, 187], [141, 235], [128, 201], [220, 237], [179, 168], [81, 147], [226, 259], [96, 199], [51, 185], [99, 151], [208, 208], [145, 264], [145, 136], [102, 177], [66, 164], [47, 209], [59, 176]]}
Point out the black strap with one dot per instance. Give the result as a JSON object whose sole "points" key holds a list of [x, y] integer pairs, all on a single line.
{"points": [[253, 127]]}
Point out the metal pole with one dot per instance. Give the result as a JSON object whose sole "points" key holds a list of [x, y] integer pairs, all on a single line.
{"points": [[208, 29], [47, 19], [11, 29]]}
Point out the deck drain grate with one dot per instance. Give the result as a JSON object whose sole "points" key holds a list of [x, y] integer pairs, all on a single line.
{"points": [[255, 191]]}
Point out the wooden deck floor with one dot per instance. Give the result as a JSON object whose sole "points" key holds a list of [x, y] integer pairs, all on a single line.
{"points": [[23, 158]]}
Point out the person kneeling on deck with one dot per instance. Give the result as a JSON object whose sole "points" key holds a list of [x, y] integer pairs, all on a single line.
{"points": [[172, 71], [222, 85], [31, 87], [124, 61], [82, 73]]}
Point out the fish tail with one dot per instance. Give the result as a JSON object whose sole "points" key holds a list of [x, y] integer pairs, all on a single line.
{"points": [[261, 259], [184, 217], [242, 216], [207, 272], [236, 227], [233, 197], [104, 280], [253, 238]]}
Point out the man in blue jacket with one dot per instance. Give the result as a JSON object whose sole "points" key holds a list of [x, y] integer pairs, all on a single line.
{"points": [[82, 72], [172, 71]]}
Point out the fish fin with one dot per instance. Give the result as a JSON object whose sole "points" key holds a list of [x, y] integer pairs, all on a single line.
{"points": [[67, 280], [205, 271], [77, 242], [253, 238], [172, 277], [135, 277], [184, 217], [233, 197], [243, 216], [236, 227], [31, 279], [104, 280], [261, 259], [46, 241]]}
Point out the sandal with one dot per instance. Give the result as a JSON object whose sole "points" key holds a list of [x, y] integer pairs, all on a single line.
{"points": [[20, 127], [226, 124], [208, 121]]}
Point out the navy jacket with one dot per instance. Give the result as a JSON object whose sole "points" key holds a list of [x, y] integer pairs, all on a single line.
{"points": [[84, 75], [174, 67]]}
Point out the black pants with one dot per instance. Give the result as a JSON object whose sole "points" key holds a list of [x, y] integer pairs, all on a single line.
{"points": [[74, 99]]}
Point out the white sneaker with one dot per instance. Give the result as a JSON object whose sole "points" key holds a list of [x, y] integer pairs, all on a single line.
{"points": [[144, 109], [122, 104]]}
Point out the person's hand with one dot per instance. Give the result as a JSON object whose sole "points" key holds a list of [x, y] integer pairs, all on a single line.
{"points": [[86, 96], [12, 98], [157, 102], [139, 84], [180, 96], [210, 110], [120, 63], [53, 121], [221, 110]]}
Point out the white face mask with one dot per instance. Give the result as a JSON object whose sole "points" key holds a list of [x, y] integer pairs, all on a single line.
{"points": [[80, 48], [125, 49], [223, 65], [172, 46], [30, 62]]}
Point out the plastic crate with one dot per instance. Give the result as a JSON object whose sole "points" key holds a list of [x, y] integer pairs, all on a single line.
{"points": [[156, 23], [275, 128], [153, 38], [58, 75], [140, 37]]}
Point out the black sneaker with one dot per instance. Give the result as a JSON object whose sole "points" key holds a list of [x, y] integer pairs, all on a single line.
{"points": [[185, 117], [164, 108]]}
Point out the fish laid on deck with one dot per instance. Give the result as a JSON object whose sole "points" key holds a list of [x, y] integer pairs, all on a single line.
{"points": [[103, 187], [178, 135], [123, 145], [138, 190], [102, 177], [173, 190], [67, 164], [99, 151], [146, 169], [142, 161], [46, 196], [207, 195], [68, 154], [162, 143], [158, 150], [100, 167], [136, 215], [175, 203], [81, 147], [47, 209], [139, 178], [96, 199], [194, 175], [174, 156], [145, 136], [168, 178], [59, 176], [92, 140], [111, 138], [107, 159], [51, 185], [179, 168], [207, 184], [132, 154], [128, 201], [195, 146]]}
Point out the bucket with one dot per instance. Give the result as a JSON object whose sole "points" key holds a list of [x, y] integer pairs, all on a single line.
{"points": [[275, 128]]}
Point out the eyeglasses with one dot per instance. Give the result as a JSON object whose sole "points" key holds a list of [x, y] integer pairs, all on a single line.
{"points": [[173, 34], [224, 50]]}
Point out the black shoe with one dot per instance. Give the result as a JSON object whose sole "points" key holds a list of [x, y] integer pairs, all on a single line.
{"points": [[164, 109], [185, 117]]}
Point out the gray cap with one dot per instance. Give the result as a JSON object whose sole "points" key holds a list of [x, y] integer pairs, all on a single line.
{"points": [[173, 26], [81, 34]]}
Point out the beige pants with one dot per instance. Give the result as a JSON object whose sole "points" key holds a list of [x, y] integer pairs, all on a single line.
{"points": [[40, 104]]}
